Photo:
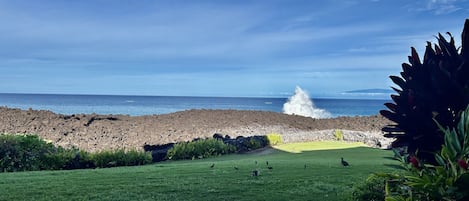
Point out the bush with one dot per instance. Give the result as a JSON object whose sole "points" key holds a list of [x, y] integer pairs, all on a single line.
{"points": [[120, 157], [68, 159], [29, 152], [23, 152], [339, 135], [203, 148], [274, 139], [372, 189], [252, 144]]}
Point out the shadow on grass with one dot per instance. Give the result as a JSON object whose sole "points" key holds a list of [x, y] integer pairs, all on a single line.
{"points": [[349, 153], [275, 150]]}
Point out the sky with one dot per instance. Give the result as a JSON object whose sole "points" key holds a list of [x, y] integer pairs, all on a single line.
{"points": [[255, 48]]}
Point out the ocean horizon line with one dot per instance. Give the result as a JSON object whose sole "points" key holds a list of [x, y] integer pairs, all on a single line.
{"points": [[142, 105], [334, 97]]}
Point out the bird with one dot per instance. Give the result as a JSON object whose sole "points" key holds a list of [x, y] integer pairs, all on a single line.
{"points": [[255, 173], [255, 162], [270, 167], [305, 166], [213, 165], [236, 168], [344, 163], [267, 163]]}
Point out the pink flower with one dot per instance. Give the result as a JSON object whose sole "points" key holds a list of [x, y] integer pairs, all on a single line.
{"points": [[463, 164], [414, 161]]}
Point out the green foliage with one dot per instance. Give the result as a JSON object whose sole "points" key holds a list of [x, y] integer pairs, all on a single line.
{"points": [[448, 180], [252, 144], [437, 88], [203, 148], [120, 157], [23, 152], [68, 159], [274, 139], [373, 189], [339, 135], [383, 186], [29, 152]]}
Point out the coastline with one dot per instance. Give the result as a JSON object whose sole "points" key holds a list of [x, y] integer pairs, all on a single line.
{"points": [[94, 132]]}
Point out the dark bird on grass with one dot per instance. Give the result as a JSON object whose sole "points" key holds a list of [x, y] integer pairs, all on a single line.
{"points": [[344, 163], [305, 166], [267, 163], [213, 165], [236, 168], [255, 162], [255, 173], [270, 167]]}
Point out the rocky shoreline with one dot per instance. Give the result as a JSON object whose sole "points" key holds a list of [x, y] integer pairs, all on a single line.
{"points": [[93, 132]]}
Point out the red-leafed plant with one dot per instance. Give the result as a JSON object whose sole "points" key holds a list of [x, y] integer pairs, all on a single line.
{"points": [[437, 88]]}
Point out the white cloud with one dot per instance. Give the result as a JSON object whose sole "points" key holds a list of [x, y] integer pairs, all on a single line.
{"points": [[271, 45], [438, 7]]}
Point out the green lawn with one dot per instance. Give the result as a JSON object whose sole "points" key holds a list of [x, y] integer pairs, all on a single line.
{"points": [[323, 179]]}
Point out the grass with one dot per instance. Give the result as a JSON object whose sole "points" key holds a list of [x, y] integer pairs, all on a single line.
{"points": [[314, 146], [323, 179]]}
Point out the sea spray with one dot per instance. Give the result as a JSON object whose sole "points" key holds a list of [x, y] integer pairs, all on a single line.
{"points": [[301, 104]]}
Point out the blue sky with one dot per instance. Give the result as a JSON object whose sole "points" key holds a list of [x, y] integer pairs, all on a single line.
{"points": [[214, 48]]}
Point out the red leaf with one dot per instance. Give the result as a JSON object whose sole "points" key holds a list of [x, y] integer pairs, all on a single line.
{"points": [[463, 164]]}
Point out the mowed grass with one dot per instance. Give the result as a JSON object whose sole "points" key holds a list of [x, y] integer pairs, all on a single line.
{"points": [[324, 178]]}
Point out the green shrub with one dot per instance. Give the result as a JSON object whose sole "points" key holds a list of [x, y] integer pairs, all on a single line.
{"points": [[68, 159], [106, 158], [120, 157], [23, 152], [29, 152], [253, 144], [58, 160], [135, 157], [373, 189], [274, 139], [199, 149], [339, 135]]}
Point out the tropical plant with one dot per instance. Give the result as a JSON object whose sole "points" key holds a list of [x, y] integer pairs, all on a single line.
{"points": [[448, 180], [437, 89]]}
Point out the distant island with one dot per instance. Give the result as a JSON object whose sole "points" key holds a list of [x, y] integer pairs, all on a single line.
{"points": [[370, 91]]}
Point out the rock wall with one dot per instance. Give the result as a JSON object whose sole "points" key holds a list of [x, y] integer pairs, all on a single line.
{"points": [[94, 132]]}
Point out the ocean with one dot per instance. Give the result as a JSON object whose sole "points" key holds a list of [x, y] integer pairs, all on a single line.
{"points": [[149, 105]]}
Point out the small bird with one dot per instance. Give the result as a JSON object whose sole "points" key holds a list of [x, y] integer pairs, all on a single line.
{"points": [[213, 165], [267, 163], [236, 168], [255, 162], [305, 166], [255, 173], [344, 163], [270, 167]]}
